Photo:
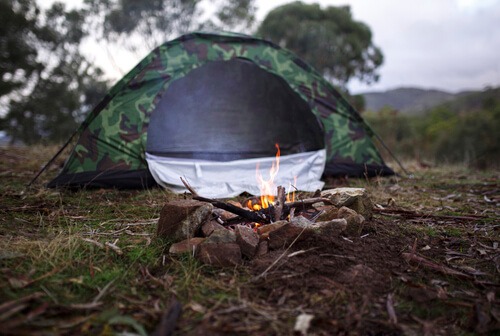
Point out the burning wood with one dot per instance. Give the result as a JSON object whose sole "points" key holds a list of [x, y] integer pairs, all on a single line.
{"points": [[222, 239], [233, 231]]}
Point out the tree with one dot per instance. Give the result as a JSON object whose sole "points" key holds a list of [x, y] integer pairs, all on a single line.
{"points": [[143, 25], [18, 58], [329, 39], [52, 85]]}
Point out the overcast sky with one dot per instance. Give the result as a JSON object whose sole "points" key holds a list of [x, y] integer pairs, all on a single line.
{"points": [[451, 45], [445, 44]]}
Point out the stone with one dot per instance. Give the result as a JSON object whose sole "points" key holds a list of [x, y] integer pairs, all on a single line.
{"points": [[221, 236], [181, 219], [300, 228], [208, 227], [329, 212], [353, 198], [354, 220], [264, 230], [186, 246], [329, 228], [219, 254], [247, 239], [263, 248], [294, 231]]}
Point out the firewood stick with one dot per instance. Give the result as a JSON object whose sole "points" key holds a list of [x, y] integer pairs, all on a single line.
{"points": [[250, 215], [308, 202], [280, 202], [188, 187]]}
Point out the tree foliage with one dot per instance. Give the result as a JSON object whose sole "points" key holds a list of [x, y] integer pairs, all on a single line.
{"points": [[463, 131], [146, 24], [18, 58], [48, 85], [328, 38]]}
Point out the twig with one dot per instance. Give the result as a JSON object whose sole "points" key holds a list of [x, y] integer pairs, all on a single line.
{"points": [[411, 257], [6, 306], [130, 233], [278, 259], [169, 318], [114, 247], [390, 309], [188, 187], [308, 202], [413, 214], [103, 291], [293, 254], [337, 256], [96, 243], [84, 306]]}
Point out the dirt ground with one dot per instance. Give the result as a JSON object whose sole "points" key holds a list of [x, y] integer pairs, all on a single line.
{"points": [[427, 263], [363, 285]]}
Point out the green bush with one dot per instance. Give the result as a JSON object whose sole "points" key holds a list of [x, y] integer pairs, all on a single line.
{"points": [[443, 134]]}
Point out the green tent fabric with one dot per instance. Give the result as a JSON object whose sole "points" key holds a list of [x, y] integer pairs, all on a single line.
{"points": [[113, 140]]}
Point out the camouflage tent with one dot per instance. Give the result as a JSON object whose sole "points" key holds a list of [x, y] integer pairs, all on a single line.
{"points": [[218, 98]]}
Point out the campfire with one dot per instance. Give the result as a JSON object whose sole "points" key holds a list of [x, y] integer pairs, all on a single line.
{"points": [[226, 233]]}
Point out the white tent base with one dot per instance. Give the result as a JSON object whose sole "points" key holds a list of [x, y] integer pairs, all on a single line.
{"points": [[228, 179]]}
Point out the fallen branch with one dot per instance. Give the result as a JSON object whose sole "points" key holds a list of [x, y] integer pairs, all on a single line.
{"points": [[421, 261], [413, 214]]}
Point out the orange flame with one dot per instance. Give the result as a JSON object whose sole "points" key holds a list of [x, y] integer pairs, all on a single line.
{"points": [[267, 187]]}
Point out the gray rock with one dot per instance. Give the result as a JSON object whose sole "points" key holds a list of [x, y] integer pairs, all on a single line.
{"points": [[300, 228], [353, 198], [247, 239], [354, 220], [219, 236], [180, 219], [208, 227], [296, 230], [186, 246], [219, 254]]}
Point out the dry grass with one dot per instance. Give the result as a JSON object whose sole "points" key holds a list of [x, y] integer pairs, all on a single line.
{"points": [[88, 262]]}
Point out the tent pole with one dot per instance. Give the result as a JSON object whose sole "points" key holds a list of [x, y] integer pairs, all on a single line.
{"points": [[390, 152], [53, 158]]}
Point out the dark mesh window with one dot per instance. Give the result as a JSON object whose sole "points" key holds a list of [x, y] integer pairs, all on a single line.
{"points": [[231, 110]]}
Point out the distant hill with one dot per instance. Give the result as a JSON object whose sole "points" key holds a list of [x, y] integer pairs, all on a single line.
{"points": [[409, 100]]}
